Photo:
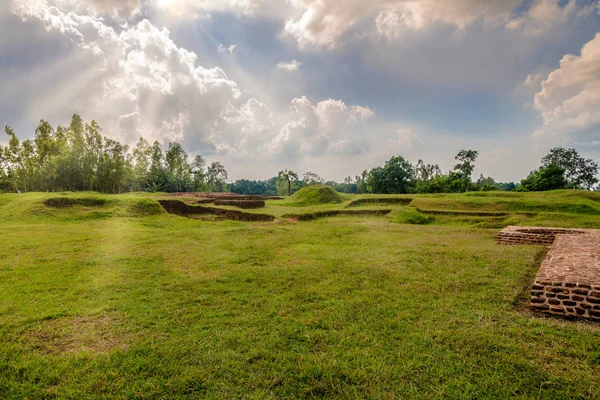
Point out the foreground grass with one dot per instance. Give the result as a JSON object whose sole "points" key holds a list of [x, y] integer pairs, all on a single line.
{"points": [[128, 306]]}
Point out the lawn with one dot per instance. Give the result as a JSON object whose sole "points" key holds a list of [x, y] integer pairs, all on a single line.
{"points": [[121, 300]]}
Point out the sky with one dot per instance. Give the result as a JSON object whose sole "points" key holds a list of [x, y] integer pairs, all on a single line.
{"points": [[329, 86]]}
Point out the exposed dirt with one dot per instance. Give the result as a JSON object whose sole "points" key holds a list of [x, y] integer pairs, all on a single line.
{"points": [[223, 196], [94, 334], [62, 202], [383, 201], [180, 208], [247, 204], [466, 213], [334, 213]]}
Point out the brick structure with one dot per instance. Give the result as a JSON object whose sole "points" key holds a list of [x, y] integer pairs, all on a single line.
{"points": [[568, 282], [536, 235]]}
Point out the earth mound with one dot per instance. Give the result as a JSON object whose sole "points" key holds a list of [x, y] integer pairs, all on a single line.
{"points": [[314, 195]]}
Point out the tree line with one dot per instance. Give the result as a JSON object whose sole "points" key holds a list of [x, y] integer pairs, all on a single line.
{"points": [[77, 157], [561, 168]]}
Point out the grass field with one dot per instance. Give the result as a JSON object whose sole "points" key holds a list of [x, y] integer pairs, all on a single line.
{"points": [[117, 299]]}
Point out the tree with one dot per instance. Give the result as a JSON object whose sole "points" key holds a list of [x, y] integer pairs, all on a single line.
{"points": [[198, 172], [310, 178], [257, 188], [217, 177], [287, 176], [157, 173], [361, 182], [424, 176], [548, 177], [486, 184], [142, 160], [179, 178], [396, 176], [92, 155], [466, 166], [580, 173]]}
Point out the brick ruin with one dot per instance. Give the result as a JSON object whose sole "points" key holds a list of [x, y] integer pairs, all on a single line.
{"points": [[568, 282]]}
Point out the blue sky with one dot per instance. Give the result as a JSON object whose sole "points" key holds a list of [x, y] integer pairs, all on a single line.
{"points": [[330, 86]]}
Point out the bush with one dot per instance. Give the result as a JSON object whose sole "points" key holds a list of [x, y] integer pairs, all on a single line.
{"points": [[550, 177]]}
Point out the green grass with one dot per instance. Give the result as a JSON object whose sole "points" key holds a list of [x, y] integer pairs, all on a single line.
{"points": [[315, 195], [121, 300]]}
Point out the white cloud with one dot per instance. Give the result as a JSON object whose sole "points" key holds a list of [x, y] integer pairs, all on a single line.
{"points": [[229, 49], [194, 8], [533, 80], [405, 139], [324, 22], [329, 127], [245, 131], [542, 15], [111, 8], [291, 66], [136, 81], [569, 99]]}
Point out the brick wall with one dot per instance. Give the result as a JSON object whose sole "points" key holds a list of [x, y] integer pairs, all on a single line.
{"points": [[566, 299]]}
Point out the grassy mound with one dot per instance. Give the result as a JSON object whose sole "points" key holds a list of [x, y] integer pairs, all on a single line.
{"points": [[314, 195]]}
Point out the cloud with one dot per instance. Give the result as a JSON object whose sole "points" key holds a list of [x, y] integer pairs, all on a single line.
{"points": [[245, 131], [291, 66], [193, 8], [569, 100], [542, 15], [135, 81], [230, 48], [533, 80], [405, 139], [119, 9], [324, 22], [329, 127]]}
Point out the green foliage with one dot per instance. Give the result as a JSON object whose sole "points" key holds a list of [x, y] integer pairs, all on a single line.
{"points": [[311, 179], [549, 177], [79, 158], [466, 166], [285, 179], [257, 188], [395, 177], [580, 173], [314, 195]]}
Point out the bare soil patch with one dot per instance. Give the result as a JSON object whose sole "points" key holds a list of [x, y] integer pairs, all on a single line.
{"points": [[90, 333]]}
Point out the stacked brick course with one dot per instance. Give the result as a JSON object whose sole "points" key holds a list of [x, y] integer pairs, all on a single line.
{"points": [[535, 235], [568, 282]]}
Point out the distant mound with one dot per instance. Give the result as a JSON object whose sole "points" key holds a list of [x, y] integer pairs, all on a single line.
{"points": [[314, 195]]}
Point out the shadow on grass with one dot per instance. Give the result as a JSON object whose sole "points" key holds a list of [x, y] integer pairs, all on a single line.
{"points": [[521, 301]]}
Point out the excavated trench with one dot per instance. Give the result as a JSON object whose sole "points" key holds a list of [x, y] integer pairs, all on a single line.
{"points": [[182, 209]]}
